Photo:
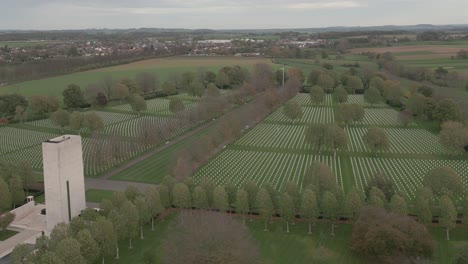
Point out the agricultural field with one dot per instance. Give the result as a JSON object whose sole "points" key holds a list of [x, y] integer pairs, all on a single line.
{"points": [[429, 55], [162, 66]]}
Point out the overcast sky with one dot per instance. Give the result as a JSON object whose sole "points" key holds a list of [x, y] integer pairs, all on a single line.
{"points": [[227, 14]]}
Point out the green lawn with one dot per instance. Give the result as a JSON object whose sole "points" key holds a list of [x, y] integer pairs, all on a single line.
{"points": [[163, 67], [296, 247], [5, 234], [96, 196], [155, 168]]}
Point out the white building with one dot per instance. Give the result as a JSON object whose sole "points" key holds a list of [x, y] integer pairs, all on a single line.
{"points": [[63, 179]]}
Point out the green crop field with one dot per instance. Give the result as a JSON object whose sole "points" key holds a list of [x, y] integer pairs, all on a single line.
{"points": [[163, 67]]}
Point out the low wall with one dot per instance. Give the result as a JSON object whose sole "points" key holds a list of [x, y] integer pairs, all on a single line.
{"points": [[23, 210]]}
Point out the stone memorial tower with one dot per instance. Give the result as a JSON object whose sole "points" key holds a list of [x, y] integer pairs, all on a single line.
{"points": [[63, 179]]}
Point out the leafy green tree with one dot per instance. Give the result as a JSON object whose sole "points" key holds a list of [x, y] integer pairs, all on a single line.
{"points": [[137, 103], [165, 196], [176, 105], [73, 96], [377, 83], [5, 220], [392, 92], [131, 192], [242, 203], [444, 180], [20, 114], [199, 198], [465, 209], [222, 80], [21, 254], [376, 139], [89, 248], [423, 205], [337, 138], [314, 74], [220, 199], [60, 118], [68, 250], [340, 95], [181, 195], [132, 86], [209, 186], [9, 102], [417, 104], [169, 88], [93, 122], [212, 90], [348, 113], [398, 205], [326, 82], [120, 91], [329, 208], [104, 234], [196, 88], [317, 136], [252, 189], [16, 190], [448, 110], [231, 190], [153, 201], [448, 214], [317, 94], [354, 83], [309, 208], [372, 96], [41, 104], [454, 136], [353, 203], [5, 196], [264, 205], [77, 121], [377, 198], [286, 209], [130, 220], [144, 213], [293, 110], [320, 177]]}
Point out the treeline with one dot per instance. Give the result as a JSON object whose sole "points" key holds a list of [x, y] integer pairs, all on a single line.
{"points": [[379, 214], [15, 183], [31, 70]]}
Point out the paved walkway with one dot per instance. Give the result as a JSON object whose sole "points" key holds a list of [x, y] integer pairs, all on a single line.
{"points": [[103, 184]]}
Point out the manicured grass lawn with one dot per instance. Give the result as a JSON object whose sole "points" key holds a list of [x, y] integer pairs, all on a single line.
{"points": [[296, 247], [163, 67], [277, 246], [5, 234], [96, 196], [154, 169]]}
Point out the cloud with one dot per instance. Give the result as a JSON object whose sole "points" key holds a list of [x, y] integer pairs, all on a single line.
{"points": [[325, 5]]}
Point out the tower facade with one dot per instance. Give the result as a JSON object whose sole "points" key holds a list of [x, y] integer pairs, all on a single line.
{"points": [[63, 179]]}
